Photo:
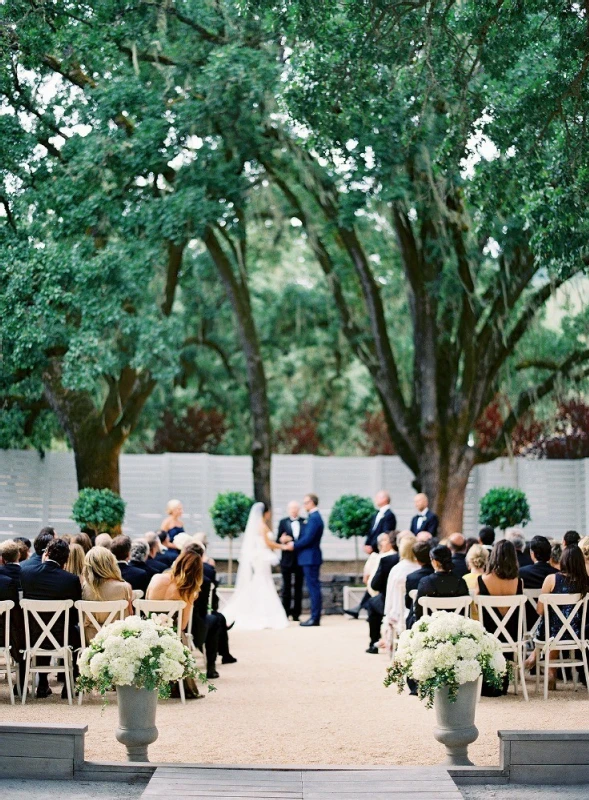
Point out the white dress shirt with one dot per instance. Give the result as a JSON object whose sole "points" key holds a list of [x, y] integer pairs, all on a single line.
{"points": [[295, 525]]}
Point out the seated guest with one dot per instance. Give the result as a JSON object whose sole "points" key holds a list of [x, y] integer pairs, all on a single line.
{"points": [[584, 545], [476, 561], [167, 553], [457, 545], [555, 554], [205, 626], [425, 536], [139, 556], [384, 547], [42, 539], [501, 578], [173, 524], [518, 540], [202, 539], [154, 563], [82, 539], [378, 584], [572, 579], [487, 537], [75, 562], [135, 577], [570, 538], [102, 582], [103, 540], [9, 589], [10, 555], [182, 540], [421, 551], [24, 546], [182, 582], [395, 608], [469, 542], [534, 575], [442, 583], [49, 581]]}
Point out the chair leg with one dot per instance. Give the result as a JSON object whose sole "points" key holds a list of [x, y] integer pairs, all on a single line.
{"points": [[182, 694], [26, 680], [516, 665], [538, 658], [585, 666], [546, 672], [68, 674], [9, 674], [522, 672]]}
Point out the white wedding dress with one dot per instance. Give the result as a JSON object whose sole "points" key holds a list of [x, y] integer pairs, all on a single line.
{"points": [[255, 604]]}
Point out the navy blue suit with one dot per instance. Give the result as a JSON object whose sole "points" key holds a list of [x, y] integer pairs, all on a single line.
{"points": [[308, 550]]}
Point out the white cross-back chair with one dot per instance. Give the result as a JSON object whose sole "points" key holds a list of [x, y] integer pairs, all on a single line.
{"points": [[87, 609], [46, 643], [460, 605], [8, 664], [488, 608], [190, 638], [532, 596], [137, 594], [565, 640], [172, 609]]}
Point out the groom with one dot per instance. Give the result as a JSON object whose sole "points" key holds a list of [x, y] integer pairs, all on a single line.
{"points": [[307, 548]]}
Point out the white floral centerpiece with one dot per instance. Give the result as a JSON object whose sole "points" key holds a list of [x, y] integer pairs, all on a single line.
{"points": [[446, 650], [144, 653]]}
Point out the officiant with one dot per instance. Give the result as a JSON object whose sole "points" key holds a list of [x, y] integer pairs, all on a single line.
{"points": [[289, 529]]}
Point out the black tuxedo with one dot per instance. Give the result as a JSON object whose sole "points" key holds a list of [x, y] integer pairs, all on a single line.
{"points": [[48, 581], [459, 565], [388, 522], [533, 576], [290, 569], [12, 571], [523, 559], [137, 578], [381, 576], [31, 561], [431, 523]]}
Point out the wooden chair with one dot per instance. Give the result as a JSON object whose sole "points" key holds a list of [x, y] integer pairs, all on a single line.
{"points": [[115, 609], [565, 640], [488, 607], [460, 605], [532, 596], [189, 638], [46, 644], [137, 594], [173, 609], [8, 664]]}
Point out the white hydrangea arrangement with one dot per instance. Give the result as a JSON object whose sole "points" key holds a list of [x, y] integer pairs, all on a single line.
{"points": [[145, 653], [446, 650]]}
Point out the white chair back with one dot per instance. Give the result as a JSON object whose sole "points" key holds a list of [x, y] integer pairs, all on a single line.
{"points": [[413, 595], [46, 644], [532, 596], [488, 607], [137, 594], [7, 663], [87, 610], [460, 605], [565, 638], [171, 608]]}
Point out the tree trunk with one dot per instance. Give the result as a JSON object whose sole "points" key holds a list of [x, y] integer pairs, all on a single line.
{"points": [[444, 478], [230, 567], [97, 462]]}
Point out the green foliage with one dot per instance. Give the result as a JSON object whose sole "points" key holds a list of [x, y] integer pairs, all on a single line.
{"points": [[350, 516], [229, 513], [504, 507], [100, 510]]}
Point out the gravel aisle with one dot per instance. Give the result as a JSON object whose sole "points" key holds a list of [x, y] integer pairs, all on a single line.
{"points": [[304, 696]]}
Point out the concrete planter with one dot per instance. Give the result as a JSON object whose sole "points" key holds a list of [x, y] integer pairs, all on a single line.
{"points": [[455, 727], [137, 709]]}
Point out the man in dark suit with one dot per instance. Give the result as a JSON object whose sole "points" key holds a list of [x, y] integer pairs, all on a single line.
{"points": [[378, 584], [10, 554], [9, 589], [42, 539], [424, 520], [308, 551], [155, 564], [135, 577], [289, 530], [518, 540], [457, 545], [167, 553], [383, 521], [49, 581], [534, 574]]}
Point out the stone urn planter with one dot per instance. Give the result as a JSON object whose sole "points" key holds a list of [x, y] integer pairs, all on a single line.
{"points": [[455, 727], [137, 730]]}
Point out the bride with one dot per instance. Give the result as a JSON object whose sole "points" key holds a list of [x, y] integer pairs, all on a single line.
{"points": [[255, 604]]}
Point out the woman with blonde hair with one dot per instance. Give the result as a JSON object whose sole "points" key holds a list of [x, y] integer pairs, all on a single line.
{"points": [[75, 562], [173, 524], [181, 582], [101, 582], [395, 608], [584, 545], [476, 561]]}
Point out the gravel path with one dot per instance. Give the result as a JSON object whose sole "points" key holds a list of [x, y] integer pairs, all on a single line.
{"points": [[304, 696]]}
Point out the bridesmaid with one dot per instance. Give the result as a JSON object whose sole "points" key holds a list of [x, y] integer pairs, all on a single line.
{"points": [[173, 522]]}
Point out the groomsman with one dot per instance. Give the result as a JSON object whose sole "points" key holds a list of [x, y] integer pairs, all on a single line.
{"points": [[289, 530], [424, 520], [383, 521]]}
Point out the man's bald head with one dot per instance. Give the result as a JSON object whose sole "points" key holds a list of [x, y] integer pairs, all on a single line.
{"points": [[382, 498], [421, 501], [457, 543]]}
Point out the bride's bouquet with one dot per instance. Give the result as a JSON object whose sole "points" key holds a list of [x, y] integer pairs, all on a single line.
{"points": [[446, 650]]}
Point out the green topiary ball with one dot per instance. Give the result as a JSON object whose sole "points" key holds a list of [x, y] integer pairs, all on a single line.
{"points": [[503, 508], [229, 513], [101, 510], [351, 515]]}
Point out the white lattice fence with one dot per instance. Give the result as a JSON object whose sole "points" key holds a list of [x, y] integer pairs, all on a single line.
{"points": [[36, 492]]}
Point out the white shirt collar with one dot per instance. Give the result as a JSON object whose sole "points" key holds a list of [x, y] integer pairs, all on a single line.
{"points": [[382, 509], [423, 513]]}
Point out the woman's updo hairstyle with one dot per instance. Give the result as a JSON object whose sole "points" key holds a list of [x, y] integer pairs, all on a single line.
{"points": [[443, 556]]}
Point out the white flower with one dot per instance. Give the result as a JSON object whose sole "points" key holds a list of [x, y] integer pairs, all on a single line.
{"points": [[467, 670], [498, 663]]}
